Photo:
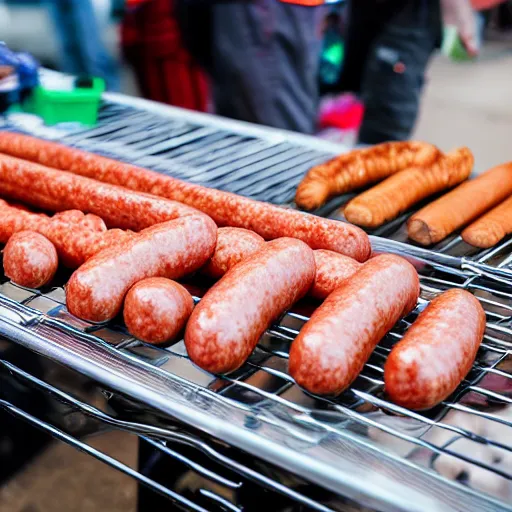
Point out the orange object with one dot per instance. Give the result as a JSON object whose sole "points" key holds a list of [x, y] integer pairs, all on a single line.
{"points": [[492, 227], [482, 5], [460, 206], [395, 195], [359, 168]]}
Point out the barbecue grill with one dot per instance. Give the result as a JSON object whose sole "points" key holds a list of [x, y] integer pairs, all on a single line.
{"points": [[254, 437]]}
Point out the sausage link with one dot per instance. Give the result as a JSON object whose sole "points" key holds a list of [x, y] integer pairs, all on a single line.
{"points": [[75, 236], [492, 227], [358, 168], [78, 218], [437, 352], [96, 291], [332, 270], [462, 205], [30, 259], [54, 190], [333, 346], [230, 319], [388, 199], [233, 246], [156, 310], [225, 208]]}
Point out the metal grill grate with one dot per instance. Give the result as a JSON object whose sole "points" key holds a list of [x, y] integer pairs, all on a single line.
{"points": [[465, 438], [261, 168]]}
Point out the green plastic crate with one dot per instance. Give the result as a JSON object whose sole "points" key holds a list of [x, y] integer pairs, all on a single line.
{"points": [[79, 104]]}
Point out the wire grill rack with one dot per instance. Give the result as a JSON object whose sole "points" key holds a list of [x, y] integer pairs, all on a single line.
{"points": [[457, 456]]}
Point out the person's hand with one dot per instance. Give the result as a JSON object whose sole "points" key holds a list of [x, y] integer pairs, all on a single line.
{"points": [[460, 14]]}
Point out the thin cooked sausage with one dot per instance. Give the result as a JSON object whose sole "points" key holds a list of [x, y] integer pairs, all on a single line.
{"points": [[437, 352], [230, 319], [460, 206], [358, 168], [333, 346], [225, 208], [492, 227], [386, 201]]}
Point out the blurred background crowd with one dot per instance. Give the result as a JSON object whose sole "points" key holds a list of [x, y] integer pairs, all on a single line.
{"points": [[304, 65], [357, 71]]}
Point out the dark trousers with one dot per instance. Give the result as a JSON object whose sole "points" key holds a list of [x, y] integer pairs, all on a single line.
{"points": [[388, 47]]}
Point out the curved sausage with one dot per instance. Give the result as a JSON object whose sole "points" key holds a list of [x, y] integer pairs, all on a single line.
{"points": [[156, 309], [30, 259], [225, 208], [437, 352], [333, 346], [230, 319], [358, 168], [54, 190], [332, 270], [233, 246], [171, 249], [75, 247]]}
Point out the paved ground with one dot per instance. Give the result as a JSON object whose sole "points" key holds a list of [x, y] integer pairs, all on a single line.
{"points": [[65, 480], [471, 104]]}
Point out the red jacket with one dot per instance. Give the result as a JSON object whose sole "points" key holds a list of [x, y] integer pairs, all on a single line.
{"points": [[152, 44]]}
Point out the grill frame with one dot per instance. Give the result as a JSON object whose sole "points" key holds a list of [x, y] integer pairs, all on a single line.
{"points": [[340, 460]]}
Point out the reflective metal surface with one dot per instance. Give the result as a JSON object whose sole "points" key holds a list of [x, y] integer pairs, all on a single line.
{"points": [[456, 456]]}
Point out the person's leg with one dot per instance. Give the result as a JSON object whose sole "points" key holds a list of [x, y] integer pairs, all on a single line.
{"points": [[82, 49], [394, 72], [265, 63]]}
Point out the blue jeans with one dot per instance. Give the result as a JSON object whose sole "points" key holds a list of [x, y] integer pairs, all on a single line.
{"points": [[81, 46]]}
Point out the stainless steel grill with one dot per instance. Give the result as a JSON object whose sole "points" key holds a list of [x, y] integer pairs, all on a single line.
{"points": [[454, 457]]}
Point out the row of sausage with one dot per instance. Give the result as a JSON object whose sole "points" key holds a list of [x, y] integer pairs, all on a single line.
{"points": [[412, 172], [260, 284], [171, 240]]}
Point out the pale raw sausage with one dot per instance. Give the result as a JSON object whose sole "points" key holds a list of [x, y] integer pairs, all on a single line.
{"points": [[30, 259], [54, 190], [333, 346], [156, 310], [171, 249], [332, 270], [225, 208], [233, 246], [230, 319], [437, 352]]}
